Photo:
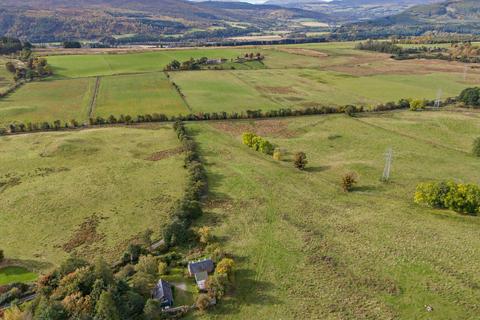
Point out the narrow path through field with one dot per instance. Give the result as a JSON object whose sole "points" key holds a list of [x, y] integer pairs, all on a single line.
{"points": [[93, 102]]}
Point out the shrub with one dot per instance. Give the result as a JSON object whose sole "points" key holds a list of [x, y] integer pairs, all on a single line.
{"points": [[476, 147], [300, 160], [277, 154], [205, 235], [350, 110], [225, 266], [257, 143], [416, 105], [348, 181], [147, 264], [462, 198], [470, 96], [162, 268], [202, 302], [247, 139]]}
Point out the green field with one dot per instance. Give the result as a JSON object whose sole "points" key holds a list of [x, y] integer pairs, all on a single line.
{"points": [[16, 274], [6, 78], [214, 91], [74, 66], [138, 94], [48, 101], [308, 250], [88, 191]]}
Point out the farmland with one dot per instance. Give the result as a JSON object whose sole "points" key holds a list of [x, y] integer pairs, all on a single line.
{"points": [[90, 191], [293, 76], [308, 249], [302, 247]]}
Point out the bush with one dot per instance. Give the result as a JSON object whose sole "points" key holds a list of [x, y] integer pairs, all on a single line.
{"points": [[202, 302], [162, 268], [348, 181], [462, 198], [416, 105], [300, 160], [257, 143], [470, 96], [277, 154], [225, 266], [476, 147]]}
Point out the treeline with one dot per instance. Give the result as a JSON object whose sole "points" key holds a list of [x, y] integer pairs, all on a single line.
{"points": [[189, 208], [10, 45], [463, 52], [19, 127]]}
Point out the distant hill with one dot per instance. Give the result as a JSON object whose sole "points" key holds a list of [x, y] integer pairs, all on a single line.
{"points": [[353, 10], [59, 20], [454, 16]]}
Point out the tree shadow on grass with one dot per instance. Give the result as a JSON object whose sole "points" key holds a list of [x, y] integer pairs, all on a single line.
{"points": [[317, 168], [247, 291], [32, 265]]}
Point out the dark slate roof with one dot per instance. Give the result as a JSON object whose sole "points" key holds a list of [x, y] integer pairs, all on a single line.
{"points": [[199, 266], [163, 292]]}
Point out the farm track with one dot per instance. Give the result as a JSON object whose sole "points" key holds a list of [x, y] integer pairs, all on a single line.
{"points": [[93, 102]]}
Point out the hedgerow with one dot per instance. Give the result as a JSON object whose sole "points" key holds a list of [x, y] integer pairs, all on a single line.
{"points": [[20, 127]]}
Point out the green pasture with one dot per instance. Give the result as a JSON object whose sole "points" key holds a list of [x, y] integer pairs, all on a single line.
{"points": [[48, 101], [74, 66], [138, 94], [6, 78], [217, 91], [305, 249], [16, 274], [90, 191]]}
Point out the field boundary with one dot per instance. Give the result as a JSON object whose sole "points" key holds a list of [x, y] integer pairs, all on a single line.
{"points": [[93, 102], [179, 91]]}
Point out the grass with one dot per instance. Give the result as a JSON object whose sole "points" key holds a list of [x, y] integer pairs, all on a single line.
{"points": [[74, 66], [184, 290], [306, 249], [138, 94], [16, 274], [48, 101], [6, 78], [216, 91], [88, 191]]}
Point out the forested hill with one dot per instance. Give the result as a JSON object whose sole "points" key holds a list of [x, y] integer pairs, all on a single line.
{"points": [[59, 20], [454, 16]]}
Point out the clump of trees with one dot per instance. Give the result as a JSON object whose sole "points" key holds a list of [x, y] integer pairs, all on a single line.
{"points": [[349, 180], [459, 197], [257, 143], [72, 45], [470, 97], [300, 160], [34, 67], [10, 45]]}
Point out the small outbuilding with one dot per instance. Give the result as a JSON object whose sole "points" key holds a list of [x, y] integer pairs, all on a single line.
{"points": [[163, 293], [200, 270]]}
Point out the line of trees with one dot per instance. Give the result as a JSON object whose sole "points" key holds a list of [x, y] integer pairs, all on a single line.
{"points": [[19, 127]]}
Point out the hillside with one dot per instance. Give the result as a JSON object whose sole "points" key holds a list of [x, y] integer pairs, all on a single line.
{"points": [[59, 20], [450, 16], [347, 11]]}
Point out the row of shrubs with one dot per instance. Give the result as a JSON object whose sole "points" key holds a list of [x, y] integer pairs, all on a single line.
{"points": [[257, 143], [249, 114], [11, 89], [459, 197], [189, 208]]}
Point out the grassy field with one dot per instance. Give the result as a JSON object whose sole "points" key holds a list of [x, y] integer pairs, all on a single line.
{"points": [[16, 274], [6, 78], [87, 191], [74, 66], [306, 249], [210, 91], [138, 94], [48, 101]]}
